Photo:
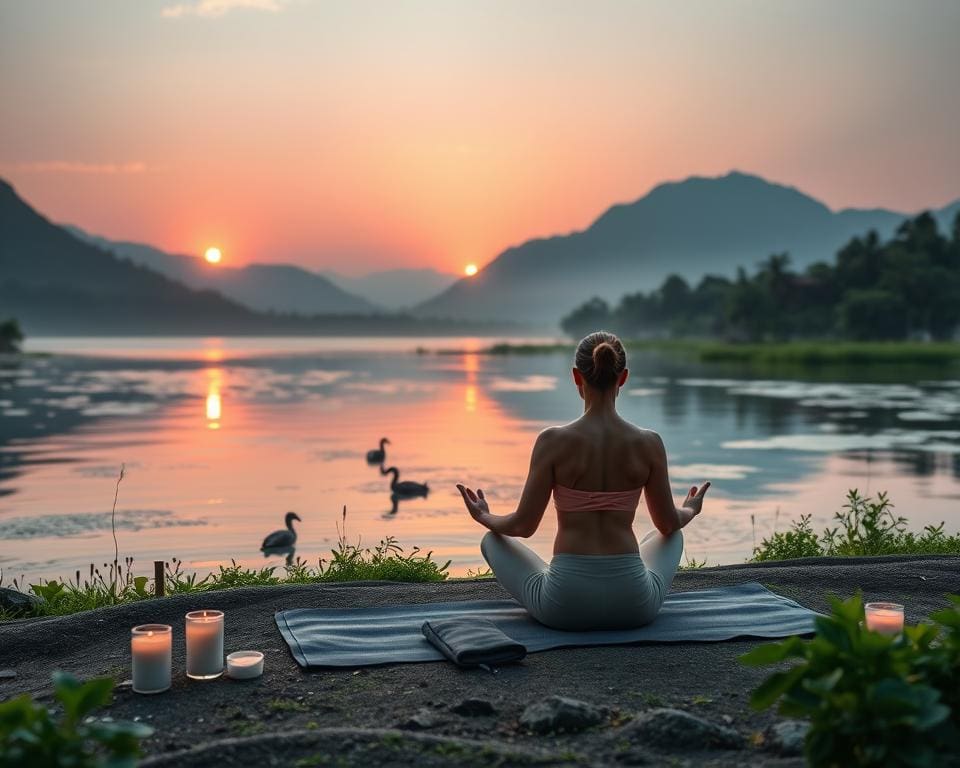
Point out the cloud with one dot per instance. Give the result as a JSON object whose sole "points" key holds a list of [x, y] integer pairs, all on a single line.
{"points": [[69, 166], [213, 8]]}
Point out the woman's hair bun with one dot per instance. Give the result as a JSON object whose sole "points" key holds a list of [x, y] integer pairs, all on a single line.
{"points": [[604, 357], [601, 359]]}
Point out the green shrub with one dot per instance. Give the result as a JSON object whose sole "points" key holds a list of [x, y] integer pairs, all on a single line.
{"points": [[864, 527], [871, 699], [30, 734], [799, 541]]}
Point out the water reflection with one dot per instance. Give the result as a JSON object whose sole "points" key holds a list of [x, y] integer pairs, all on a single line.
{"points": [[471, 364], [214, 404], [287, 552], [301, 425]]}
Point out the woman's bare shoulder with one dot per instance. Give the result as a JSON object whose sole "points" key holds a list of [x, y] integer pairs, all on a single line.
{"points": [[645, 438]]}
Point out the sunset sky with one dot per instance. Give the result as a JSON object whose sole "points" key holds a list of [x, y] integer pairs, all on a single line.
{"points": [[358, 135]]}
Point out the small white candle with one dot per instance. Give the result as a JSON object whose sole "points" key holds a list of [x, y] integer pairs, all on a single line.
{"points": [[244, 665], [151, 650], [885, 618], [204, 644]]}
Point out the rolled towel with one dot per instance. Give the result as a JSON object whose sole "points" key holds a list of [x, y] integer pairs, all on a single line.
{"points": [[472, 641]]}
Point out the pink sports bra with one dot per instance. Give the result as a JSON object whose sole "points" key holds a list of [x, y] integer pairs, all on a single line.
{"points": [[571, 500]]}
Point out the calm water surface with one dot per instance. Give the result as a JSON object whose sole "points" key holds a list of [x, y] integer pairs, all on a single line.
{"points": [[221, 437]]}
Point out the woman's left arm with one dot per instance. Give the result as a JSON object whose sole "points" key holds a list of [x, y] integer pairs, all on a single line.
{"points": [[533, 501]]}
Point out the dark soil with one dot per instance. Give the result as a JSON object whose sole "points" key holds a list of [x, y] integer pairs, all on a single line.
{"points": [[363, 717]]}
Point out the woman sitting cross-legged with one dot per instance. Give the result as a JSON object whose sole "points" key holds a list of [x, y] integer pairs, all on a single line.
{"points": [[596, 467]]}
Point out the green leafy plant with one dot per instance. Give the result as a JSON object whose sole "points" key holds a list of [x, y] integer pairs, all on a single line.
{"points": [[31, 735], [799, 541], [864, 526], [871, 699]]}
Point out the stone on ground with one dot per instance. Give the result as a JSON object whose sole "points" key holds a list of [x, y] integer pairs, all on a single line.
{"points": [[420, 720], [473, 708], [787, 737], [15, 602], [676, 730], [558, 713]]}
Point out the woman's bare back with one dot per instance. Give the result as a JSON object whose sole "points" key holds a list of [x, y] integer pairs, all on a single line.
{"points": [[600, 454]]}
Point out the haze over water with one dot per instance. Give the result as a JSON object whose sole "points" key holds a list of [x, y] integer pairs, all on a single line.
{"points": [[220, 437]]}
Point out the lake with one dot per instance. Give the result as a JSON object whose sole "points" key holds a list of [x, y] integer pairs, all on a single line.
{"points": [[221, 437]]}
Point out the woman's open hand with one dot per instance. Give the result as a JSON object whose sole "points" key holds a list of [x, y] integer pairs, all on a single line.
{"points": [[694, 500], [475, 502]]}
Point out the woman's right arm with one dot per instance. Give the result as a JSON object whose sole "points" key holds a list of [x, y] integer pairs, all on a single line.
{"points": [[666, 516]]}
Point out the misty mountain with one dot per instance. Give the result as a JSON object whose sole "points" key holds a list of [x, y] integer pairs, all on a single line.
{"points": [[263, 287], [395, 289], [54, 283], [692, 227]]}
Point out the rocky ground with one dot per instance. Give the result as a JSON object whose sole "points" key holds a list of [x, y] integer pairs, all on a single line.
{"points": [[668, 704]]}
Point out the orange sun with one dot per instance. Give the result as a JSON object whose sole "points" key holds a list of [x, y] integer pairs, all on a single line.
{"points": [[213, 255], [470, 270]]}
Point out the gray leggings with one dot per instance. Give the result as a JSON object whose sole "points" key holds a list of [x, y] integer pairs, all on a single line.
{"points": [[578, 592]]}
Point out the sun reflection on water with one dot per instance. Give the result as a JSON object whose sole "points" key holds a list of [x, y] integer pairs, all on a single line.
{"points": [[214, 404]]}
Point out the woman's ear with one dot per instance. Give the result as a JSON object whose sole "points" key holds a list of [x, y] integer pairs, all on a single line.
{"points": [[578, 380], [624, 375]]}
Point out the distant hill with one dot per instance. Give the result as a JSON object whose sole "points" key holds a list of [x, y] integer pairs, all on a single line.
{"points": [[396, 288], [57, 284], [692, 227], [263, 287], [52, 282]]}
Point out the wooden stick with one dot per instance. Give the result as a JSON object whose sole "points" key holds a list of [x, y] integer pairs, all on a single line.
{"points": [[158, 586]]}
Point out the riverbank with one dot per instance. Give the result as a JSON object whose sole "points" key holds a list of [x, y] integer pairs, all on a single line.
{"points": [[410, 714], [796, 353]]}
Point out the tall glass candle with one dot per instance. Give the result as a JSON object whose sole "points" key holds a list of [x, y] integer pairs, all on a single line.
{"points": [[151, 649], [885, 618], [204, 644]]}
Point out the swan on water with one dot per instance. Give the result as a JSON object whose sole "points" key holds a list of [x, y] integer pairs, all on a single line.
{"points": [[283, 538], [378, 456], [407, 487]]}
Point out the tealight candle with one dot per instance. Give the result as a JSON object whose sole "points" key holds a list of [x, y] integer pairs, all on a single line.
{"points": [[244, 665], [151, 649], [885, 618], [204, 644]]}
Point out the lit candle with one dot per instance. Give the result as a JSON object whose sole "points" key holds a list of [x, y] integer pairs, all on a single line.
{"points": [[151, 648], [204, 644], [885, 618], [244, 665]]}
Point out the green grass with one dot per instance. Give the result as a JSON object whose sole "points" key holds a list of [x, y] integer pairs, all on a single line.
{"points": [[116, 584], [287, 705], [863, 527], [797, 353], [833, 353]]}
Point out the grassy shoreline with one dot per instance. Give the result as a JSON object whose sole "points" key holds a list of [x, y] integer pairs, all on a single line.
{"points": [[787, 353], [865, 526]]}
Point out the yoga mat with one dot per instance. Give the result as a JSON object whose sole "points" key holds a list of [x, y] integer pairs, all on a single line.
{"points": [[357, 637]]}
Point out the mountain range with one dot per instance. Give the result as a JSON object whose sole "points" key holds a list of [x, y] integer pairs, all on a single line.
{"points": [[56, 282], [263, 287], [286, 287], [395, 289], [693, 227]]}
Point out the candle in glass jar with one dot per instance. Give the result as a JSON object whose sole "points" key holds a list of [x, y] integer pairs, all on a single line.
{"points": [[204, 644], [151, 650], [885, 618], [244, 665]]}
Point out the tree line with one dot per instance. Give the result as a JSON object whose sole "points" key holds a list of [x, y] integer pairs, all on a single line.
{"points": [[907, 287]]}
